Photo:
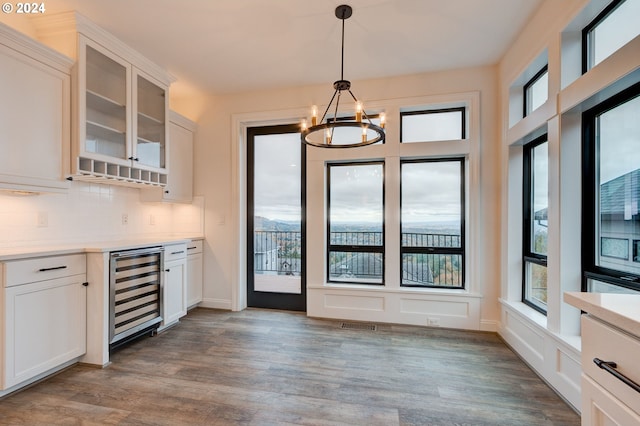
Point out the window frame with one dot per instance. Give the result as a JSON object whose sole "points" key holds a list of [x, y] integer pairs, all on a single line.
{"points": [[463, 120], [586, 32], [528, 256], [590, 223], [439, 250], [525, 89], [354, 248]]}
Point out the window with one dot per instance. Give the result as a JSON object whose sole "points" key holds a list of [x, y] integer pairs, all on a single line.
{"points": [[612, 29], [611, 194], [356, 222], [536, 91], [432, 228], [432, 125], [536, 203]]}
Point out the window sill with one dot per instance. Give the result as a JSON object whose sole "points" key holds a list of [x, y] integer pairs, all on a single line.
{"points": [[540, 320], [527, 312]]}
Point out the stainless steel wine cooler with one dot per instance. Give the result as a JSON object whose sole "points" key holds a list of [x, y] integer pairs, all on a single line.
{"points": [[135, 293]]}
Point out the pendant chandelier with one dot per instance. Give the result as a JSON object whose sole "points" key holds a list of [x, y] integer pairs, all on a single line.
{"points": [[344, 132]]}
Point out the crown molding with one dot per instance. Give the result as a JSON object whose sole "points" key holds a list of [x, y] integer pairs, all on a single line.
{"points": [[24, 44], [65, 23]]}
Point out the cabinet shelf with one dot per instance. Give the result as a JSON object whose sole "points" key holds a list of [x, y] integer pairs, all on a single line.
{"points": [[100, 131], [104, 104], [148, 120], [143, 140]]}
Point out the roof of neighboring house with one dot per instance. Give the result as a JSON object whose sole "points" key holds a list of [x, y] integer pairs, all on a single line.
{"points": [[619, 192]]}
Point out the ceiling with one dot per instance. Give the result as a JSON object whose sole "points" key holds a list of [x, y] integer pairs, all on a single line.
{"points": [[227, 46]]}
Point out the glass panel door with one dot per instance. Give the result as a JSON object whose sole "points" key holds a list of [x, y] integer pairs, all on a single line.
{"points": [[151, 129], [275, 218], [106, 106]]}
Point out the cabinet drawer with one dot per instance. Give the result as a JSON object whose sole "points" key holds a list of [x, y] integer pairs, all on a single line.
{"points": [[19, 272], [609, 344], [194, 247], [175, 251]]}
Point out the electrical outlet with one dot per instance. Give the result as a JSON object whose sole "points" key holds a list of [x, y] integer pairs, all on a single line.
{"points": [[43, 219], [152, 219], [125, 219], [433, 322]]}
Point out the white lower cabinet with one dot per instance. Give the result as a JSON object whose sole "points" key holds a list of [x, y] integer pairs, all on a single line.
{"points": [[601, 408], [606, 398], [194, 273], [44, 316], [174, 294]]}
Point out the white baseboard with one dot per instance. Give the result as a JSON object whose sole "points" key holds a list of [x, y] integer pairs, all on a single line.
{"points": [[489, 325], [216, 304]]}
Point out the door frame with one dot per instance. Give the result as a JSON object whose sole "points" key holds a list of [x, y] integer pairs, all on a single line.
{"points": [[269, 300]]}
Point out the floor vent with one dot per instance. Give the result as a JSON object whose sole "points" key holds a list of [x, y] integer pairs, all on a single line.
{"points": [[359, 326]]}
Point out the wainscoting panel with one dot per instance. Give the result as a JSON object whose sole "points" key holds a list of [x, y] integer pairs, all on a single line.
{"points": [[357, 302], [449, 310], [555, 358], [524, 338]]}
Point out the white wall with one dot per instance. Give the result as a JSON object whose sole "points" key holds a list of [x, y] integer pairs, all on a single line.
{"points": [[216, 172], [90, 212]]}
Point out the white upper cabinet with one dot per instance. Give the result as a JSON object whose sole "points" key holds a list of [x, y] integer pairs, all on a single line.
{"points": [[149, 148], [121, 104], [123, 114], [179, 187], [105, 120], [35, 120]]}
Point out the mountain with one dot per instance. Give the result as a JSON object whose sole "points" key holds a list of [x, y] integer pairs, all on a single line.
{"points": [[263, 224]]}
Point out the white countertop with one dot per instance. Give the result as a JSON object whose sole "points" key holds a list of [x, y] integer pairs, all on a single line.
{"points": [[620, 310], [13, 253]]}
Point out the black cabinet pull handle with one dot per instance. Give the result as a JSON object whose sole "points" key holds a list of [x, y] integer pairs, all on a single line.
{"points": [[167, 270], [85, 284], [610, 367], [52, 269], [177, 252], [192, 248]]}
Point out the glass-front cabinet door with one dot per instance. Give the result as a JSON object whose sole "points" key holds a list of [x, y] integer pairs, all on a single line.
{"points": [[150, 123], [123, 111], [107, 103]]}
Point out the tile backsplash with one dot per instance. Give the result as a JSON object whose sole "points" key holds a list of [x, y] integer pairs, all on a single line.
{"points": [[92, 212]]}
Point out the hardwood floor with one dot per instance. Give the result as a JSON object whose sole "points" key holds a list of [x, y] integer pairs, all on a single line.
{"points": [[261, 367]]}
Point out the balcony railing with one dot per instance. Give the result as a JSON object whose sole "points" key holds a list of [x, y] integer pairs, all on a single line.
{"points": [[279, 252]]}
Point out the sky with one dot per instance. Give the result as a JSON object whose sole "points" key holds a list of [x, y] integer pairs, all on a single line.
{"points": [[277, 176], [430, 191], [619, 136]]}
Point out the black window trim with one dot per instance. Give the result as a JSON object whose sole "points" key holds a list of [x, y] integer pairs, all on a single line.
{"points": [[433, 250], [589, 197], [586, 31], [527, 85], [529, 256], [355, 248], [463, 118]]}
